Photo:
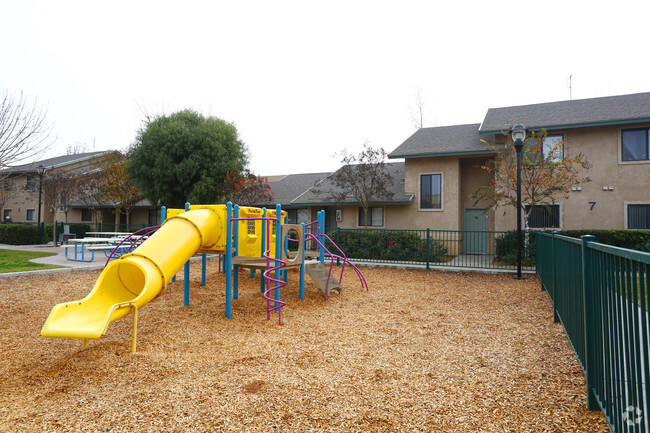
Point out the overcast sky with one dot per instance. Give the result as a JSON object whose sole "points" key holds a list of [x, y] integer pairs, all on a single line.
{"points": [[303, 80]]}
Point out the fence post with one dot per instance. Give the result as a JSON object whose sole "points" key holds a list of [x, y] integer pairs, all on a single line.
{"points": [[588, 303], [554, 255], [427, 249]]}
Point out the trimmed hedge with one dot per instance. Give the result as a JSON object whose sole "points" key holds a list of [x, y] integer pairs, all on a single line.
{"points": [[631, 239], [387, 245], [28, 234], [506, 244], [19, 234]]}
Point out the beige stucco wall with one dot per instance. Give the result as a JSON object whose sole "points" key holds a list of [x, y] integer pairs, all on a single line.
{"points": [[630, 181], [20, 199]]}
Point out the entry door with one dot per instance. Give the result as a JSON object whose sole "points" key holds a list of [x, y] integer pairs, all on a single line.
{"points": [[475, 237]]}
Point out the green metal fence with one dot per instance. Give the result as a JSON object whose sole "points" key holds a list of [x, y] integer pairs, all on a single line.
{"points": [[600, 295], [427, 248]]}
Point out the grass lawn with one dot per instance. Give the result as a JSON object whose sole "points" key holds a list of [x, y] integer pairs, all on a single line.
{"points": [[19, 261]]}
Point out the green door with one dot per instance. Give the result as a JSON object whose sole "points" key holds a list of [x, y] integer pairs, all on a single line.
{"points": [[475, 237]]}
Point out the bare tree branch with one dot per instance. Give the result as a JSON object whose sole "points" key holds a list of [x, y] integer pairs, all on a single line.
{"points": [[24, 132]]}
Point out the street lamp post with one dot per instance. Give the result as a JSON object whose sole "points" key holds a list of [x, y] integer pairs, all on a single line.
{"points": [[41, 172], [518, 137]]}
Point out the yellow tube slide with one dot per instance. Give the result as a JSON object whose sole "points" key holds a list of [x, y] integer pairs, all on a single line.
{"points": [[138, 277]]}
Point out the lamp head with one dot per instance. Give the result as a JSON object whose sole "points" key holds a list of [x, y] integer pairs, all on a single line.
{"points": [[41, 169], [518, 132]]}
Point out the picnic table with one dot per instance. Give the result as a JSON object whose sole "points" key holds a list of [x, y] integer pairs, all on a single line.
{"points": [[108, 234], [84, 248]]}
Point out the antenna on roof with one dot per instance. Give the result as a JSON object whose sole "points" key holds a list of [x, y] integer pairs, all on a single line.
{"points": [[570, 90]]}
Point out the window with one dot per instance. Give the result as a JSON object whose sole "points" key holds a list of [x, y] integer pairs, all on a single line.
{"points": [[32, 182], [553, 148], [431, 191], [6, 215], [638, 216], [298, 216], [154, 217], [375, 217], [634, 144], [86, 214], [31, 215], [541, 216], [8, 184]]}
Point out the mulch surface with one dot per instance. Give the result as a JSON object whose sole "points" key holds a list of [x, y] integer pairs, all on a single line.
{"points": [[420, 352]]}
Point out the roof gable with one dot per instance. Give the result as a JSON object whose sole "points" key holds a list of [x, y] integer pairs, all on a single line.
{"points": [[288, 188], [441, 141], [56, 162], [570, 114], [321, 194]]}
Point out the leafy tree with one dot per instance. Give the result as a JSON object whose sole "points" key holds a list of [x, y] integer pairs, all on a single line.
{"points": [[546, 176], [184, 157], [246, 188], [364, 178], [117, 188]]}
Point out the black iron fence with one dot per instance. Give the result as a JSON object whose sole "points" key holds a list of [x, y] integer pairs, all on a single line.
{"points": [[448, 248]]}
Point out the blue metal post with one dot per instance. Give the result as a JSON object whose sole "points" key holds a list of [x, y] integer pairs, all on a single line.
{"points": [[228, 260], [302, 264], [278, 247], [186, 274], [235, 270], [320, 232], [204, 263]]}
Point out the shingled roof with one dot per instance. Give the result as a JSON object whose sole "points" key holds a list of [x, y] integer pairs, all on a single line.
{"points": [[610, 110], [286, 188], [442, 141], [320, 195], [50, 163]]}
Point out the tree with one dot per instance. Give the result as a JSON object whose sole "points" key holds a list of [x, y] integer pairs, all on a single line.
{"points": [[184, 157], [546, 175], [246, 188], [24, 132], [60, 189], [417, 112], [90, 187], [364, 178], [116, 186]]}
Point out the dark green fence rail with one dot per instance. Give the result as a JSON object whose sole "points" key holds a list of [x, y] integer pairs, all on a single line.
{"points": [[600, 294], [449, 248]]}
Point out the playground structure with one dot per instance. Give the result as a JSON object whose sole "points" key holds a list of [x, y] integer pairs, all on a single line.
{"points": [[246, 237]]}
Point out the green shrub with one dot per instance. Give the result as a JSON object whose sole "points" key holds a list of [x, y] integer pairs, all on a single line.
{"points": [[506, 244], [389, 245], [19, 234], [28, 234], [506, 248], [631, 239]]}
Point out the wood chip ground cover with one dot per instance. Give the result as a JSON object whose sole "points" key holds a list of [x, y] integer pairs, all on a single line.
{"points": [[421, 352]]}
